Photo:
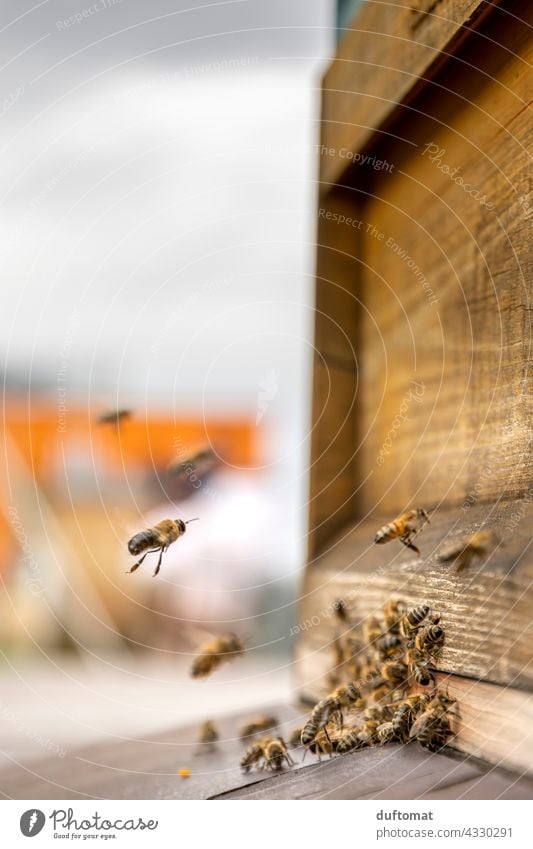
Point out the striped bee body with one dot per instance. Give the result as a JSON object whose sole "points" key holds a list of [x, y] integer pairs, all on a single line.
{"points": [[158, 538], [403, 528]]}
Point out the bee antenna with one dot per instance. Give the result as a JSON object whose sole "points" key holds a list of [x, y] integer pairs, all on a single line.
{"points": [[192, 520]]}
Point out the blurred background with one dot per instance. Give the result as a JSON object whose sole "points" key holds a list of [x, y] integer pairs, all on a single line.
{"points": [[157, 252]]}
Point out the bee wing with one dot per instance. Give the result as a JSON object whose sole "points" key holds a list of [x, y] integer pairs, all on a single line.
{"points": [[418, 725]]}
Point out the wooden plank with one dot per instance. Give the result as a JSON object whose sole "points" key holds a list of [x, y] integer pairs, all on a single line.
{"points": [[143, 769], [389, 772], [486, 609], [379, 65]]}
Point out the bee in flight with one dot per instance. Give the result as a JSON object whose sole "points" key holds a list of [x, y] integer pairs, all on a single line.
{"points": [[200, 461], [469, 549], [114, 416], [256, 725], [404, 528], [216, 652], [158, 538]]}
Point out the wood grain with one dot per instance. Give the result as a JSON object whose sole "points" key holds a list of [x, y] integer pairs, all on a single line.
{"points": [[486, 609], [378, 66]]}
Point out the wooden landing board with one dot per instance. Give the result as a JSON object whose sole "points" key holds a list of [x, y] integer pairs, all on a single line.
{"points": [[390, 772], [486, 610], [146, 769]]}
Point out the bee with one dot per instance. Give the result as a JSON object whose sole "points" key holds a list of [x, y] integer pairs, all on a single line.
{"points": [[392, 614], [418, 666], [200, 460], [404, 528], [329, 709], [256, 725], [114, 416], [470, 549], [379, 689], [340, 610], [359, 738], [323, 744], [372, 631], [381, 713], [207, 733], [275, 754], [413, 618], [385, 732], [215, 652], [389, 645], [268, 753], [158, 538], [430, 638], [295, 737], [395, 672], [432, 727]]}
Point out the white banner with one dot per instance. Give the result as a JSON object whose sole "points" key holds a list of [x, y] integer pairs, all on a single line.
{"points": [[251, 825]]}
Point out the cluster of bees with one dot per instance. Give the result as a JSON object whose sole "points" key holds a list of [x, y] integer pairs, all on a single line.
{"points": [[375, 667]]}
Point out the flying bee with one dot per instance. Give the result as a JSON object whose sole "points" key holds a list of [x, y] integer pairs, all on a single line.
{"points": [[467, 550], [256, 725], [208, 734], [329, 709], [215, 652], [413, 618], [158, 538], [404, 528], [114, 416], [395, 672], [340, 610], [432, 727], [418, 665], [430, 638], [392, 613], [200, 461], [389, 645]]}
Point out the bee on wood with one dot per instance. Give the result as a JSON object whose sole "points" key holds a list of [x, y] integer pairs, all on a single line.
{"points": [[214, 653], [323, 744], [430, 638], [404, 528], [158, 538], [467, 550], [268, 753], [413, 618], [372, 631], [392, 614], [295, 737], [329, 709], [395, 672], [208, 734], [432, 727], [114, 416], [359, 738], [388, 645], [257, 725], [418, 666]]}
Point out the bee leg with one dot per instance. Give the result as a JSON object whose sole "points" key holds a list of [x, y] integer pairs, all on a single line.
{"points": [[136, 565], [408, 544], [158, 567]]}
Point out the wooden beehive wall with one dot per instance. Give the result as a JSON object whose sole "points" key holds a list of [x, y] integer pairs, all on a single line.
{"points": [[422, 389]]}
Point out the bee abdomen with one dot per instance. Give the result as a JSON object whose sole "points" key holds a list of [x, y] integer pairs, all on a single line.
{"points": [[384, 534], [141, 541], [309, 732]]}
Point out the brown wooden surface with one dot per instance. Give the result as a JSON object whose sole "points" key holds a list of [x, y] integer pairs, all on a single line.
{"points": [[486, 609], [390, 772], [146, 769], [379, 63]]}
